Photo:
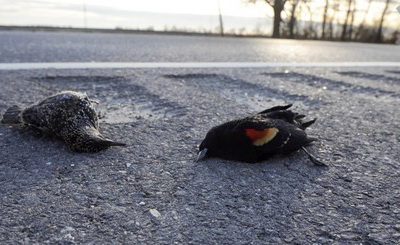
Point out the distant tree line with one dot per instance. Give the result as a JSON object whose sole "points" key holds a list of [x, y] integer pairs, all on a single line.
{"points": [[338, 20]]}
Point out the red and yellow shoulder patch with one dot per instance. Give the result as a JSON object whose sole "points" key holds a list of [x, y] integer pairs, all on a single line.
{"points": [[261, 137]]}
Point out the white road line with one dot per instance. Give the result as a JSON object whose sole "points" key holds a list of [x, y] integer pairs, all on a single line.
{"points": [[106, 65]]}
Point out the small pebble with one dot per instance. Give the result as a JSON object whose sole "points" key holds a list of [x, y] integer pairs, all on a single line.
{"points": [[155, 213], [181, 193], [67, 229]]}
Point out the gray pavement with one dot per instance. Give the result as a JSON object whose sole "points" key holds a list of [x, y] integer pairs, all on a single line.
{"points": [[19, 46], [152, 192]]}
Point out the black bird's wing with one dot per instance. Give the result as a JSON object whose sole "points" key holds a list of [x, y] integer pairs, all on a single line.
{"points": [[282, 112], [264, 134], [269, 136]]}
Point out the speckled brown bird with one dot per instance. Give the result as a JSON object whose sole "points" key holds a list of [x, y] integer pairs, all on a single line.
{"points": [[68, 115], [256, 138]]}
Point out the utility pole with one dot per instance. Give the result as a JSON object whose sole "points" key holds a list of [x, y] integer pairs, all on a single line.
{"points": [[221, 24]]}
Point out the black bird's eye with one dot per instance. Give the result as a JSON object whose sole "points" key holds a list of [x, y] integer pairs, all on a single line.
{"points": [[201, 146]]}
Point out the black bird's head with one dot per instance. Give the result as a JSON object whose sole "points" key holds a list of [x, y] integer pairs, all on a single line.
{"points": [[218, 141], [210, 145]]}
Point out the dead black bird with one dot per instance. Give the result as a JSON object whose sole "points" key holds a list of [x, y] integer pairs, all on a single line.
{"points": [[69, 116], [255, 138]]}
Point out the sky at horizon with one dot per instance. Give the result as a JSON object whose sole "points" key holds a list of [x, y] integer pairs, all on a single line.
{"points": [[239, 15]]}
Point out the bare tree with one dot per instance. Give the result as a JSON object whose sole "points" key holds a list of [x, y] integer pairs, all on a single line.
{"points": [[379, 32], [324, 19], [341, 19], [361, 27], [335, 9], [344, 30], [310, 32], [353, 13], [292, 21], [278, 6]]}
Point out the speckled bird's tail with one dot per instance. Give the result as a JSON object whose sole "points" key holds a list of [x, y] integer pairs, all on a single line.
{"points": [[12, 115]]}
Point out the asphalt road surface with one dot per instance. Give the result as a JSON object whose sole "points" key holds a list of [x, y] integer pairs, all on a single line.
{"points": [[152, 191], [87, 47]]}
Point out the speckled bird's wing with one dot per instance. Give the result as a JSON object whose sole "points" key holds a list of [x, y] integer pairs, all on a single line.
{"points": [[53, 113], [34, 118]]}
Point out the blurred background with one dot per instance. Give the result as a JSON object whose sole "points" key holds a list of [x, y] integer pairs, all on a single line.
{"points": [[375, 21]]}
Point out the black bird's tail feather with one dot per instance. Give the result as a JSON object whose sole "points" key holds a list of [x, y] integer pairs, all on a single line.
{"points": [[276, 108], [298, 117], [12, 115], [307, 124]]}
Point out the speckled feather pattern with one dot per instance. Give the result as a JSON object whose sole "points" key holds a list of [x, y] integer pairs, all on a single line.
{"points": [[71, 117]]}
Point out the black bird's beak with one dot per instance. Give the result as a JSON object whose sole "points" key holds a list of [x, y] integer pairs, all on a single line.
{"points": [[202, 154]]}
